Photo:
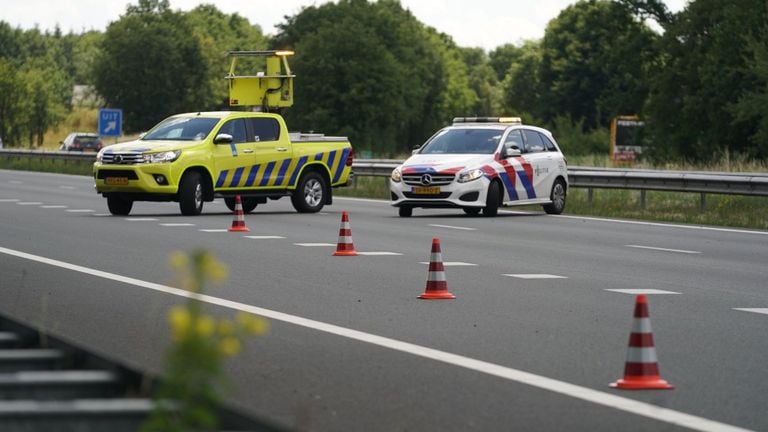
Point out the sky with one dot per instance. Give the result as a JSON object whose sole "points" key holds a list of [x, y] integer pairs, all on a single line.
{"points": [[472, 23]]}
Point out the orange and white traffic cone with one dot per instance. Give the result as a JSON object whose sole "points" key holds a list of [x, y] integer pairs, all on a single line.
{"points": [[345, 246], [437, 285], [238, 222], [641, 370]]}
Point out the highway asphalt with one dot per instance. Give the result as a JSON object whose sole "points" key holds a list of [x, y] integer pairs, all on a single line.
{"points": [[534, 337]]}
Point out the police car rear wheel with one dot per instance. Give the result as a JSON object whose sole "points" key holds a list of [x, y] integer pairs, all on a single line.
{"points": [[191, 194], [249, 204], [309, 196], [118, 205], [493, 200], [558, 198]]}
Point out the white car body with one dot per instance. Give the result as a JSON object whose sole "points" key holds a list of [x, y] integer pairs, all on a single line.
{"points": [[523, 160]]}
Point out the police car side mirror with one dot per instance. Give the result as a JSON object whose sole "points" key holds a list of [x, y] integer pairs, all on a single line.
{"points": [[223, 138], [511, 152]]}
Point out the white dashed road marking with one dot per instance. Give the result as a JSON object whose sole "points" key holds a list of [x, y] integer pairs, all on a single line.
{"points": [[587, 394], [265, 237], [214, 230], [314, 244], [642, 291], [138, 219], [453, 227], [9, 200], [378, 253], [53, 206], [663, 249], [176, 224], [81, 211], [28, 203], [536, 276], [67, 187], [753, 310], [454, 263]]}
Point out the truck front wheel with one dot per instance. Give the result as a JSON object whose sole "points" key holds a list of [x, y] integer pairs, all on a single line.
{"points": [[191, 194], [310, 193], [118, 205]]}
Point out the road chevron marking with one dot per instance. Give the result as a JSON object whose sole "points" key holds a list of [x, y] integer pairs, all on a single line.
{"points": [[571, 390]]}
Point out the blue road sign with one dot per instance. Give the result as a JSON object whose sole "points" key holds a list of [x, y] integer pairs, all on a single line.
{"points": [[110, 122]]}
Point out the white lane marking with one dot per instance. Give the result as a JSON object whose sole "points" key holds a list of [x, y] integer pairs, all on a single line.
{"points": [[453, 227], [53, 206], [753, 310], [213, 230], [314, 244], [266, 237], [453, 263], [536, 276], [577, 392], [176, 224], [140, 219], [29, 203], [9, 200], [663, 249], [641, 291], [67, 187], [665, 225], [80, 211], [378, 253]]}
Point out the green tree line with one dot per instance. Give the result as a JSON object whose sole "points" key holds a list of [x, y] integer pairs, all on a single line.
{"points": [[372, 71]]}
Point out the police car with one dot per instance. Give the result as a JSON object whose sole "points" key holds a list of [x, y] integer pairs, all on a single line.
{"points": [[482, 163]]}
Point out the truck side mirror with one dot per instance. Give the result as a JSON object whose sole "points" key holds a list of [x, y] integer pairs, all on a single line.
{"points": [[415, 149], [223, 138]]}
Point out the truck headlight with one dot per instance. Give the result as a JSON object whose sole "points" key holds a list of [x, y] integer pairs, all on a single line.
{"points": [[162, 157], [396, 176], [100, 155], [469, 175]]}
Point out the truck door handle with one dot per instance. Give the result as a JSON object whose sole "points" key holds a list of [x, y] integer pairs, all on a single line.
{"points": [[281, 149], [247, 151]]}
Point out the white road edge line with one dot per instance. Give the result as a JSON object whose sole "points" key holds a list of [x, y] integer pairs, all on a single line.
{"points": [[663, 249], [753, 310], [583, 393]]}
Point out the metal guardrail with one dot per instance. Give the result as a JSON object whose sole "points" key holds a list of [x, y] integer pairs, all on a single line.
{"points": [[755, 184]]}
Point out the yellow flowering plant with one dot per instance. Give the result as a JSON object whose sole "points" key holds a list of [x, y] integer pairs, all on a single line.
{"points": [[200, 343]]}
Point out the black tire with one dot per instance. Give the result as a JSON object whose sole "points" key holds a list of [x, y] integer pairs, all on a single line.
{"points": [[310, 193], [249, 204], [472, 211], [118, 205], [557, 196], [191, 194], [405, 211], [493, 200]]}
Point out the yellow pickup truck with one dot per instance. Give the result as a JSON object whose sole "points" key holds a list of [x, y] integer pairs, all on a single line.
{"points": [[192, 158]]}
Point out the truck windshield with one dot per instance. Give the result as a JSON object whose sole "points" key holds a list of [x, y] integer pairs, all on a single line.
{"points": [[463, 141], [182, 129]]}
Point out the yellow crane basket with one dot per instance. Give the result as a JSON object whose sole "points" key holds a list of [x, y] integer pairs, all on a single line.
{"points": [[272, 90]]}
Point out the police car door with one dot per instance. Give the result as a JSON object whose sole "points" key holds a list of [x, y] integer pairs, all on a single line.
{"points": [[543, 165], [232, 160]]}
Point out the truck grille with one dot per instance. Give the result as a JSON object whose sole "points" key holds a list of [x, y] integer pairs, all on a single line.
{"points": [[436, 179], [122, 158]]}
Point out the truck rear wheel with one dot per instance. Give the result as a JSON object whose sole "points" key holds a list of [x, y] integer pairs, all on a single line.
{"points": [[310, 193], [191, 194], [118, 205]]}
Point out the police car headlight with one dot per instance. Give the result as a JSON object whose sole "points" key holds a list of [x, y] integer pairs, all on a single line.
{"points": [[396, 176], [162, 157], [469, 175]]}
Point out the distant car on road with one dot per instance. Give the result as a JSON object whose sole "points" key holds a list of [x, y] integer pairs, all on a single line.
{"points": [[81, 141], [481, 164]]}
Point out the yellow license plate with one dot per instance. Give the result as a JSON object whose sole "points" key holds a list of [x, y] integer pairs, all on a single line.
{"points": [[116, 180], [433, 190]]}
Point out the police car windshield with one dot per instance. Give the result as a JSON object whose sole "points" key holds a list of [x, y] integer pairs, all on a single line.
{"points": [[182, 129], [463, 141]]}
